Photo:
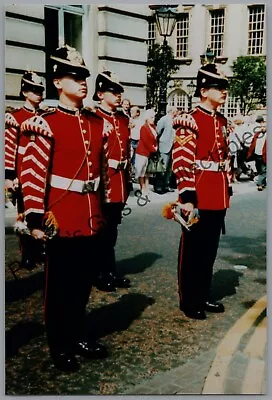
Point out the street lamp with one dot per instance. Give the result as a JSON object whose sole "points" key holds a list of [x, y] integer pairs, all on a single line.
{"points": [[165, 17], [190, 91], [208, 57]]}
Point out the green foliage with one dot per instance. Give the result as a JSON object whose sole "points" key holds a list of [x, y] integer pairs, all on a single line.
{"points": [[159, 57], [249, 82]]}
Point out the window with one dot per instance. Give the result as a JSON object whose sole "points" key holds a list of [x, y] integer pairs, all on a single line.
{"points": [[217, 31], [182, 36], [232, 106], [256, 30], [151, 34], [63, 25], [179, 100]]}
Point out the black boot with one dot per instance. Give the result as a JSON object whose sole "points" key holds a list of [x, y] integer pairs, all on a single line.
{"points": [[105, 283]]}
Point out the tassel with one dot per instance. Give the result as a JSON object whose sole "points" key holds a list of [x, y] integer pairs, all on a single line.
{"points": [[51, 224], [167, 210]]}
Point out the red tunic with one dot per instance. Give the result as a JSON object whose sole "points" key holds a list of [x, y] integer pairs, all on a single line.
{"points": [[251, 149], [15, 142], [148, 141], [117, 153], [201, 143], [64, 144]]}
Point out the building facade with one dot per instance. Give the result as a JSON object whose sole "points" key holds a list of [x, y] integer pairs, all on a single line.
{"points": [[117, 37]]}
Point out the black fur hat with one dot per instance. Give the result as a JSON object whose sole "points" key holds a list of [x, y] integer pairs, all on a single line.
{"points": [[210, 76], [107, 81], [67, 60], [31, 82]]}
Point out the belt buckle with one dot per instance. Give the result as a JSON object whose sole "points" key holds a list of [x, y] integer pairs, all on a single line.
{"points": [[88, 187], [221, 166], [121, 165]]}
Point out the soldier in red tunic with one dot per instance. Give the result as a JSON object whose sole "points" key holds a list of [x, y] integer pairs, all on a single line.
{"points": [[15, 143], [61, 181], [118, 173], [201, 163]]}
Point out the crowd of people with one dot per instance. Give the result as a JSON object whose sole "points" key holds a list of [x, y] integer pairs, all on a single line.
{"points": [[72, 169]]}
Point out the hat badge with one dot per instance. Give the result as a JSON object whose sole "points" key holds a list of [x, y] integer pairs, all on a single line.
{"points": [[203, 80], [35, 78]]}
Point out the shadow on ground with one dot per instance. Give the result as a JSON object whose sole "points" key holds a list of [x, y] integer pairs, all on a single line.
{"points": [[117, 316], [137, 264], [245, 246], [20, 335], [224, 283], [22, 288]]}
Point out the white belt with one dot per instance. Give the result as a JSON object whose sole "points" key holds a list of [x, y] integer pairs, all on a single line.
{"points": [[74, 185], [117, 164], [21, 150], [206, 165]]}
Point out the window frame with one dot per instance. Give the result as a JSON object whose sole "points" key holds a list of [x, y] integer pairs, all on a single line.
{"points": [[251, 49], [183, 17], [221, 33]]}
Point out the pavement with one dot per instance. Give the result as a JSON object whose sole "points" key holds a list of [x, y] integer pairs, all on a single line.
{"points": [[237, 366], [239, 363]]}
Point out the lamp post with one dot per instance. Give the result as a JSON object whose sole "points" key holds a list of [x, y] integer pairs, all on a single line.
{"points": [[165, 17], [190, 91]]}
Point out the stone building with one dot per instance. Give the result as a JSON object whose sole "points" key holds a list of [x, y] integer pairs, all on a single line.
{"points": [[117, 37]]}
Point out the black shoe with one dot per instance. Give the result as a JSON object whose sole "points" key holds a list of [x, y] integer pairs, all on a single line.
{"points": [[214, 307], [65, 362], [121, 282], [160, 191], [193, 313], [105, 284], [28, 264], [91, 350]]}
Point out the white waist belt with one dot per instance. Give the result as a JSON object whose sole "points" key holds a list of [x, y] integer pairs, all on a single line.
{"points": [[74, 185], [206, 165], [117, 164], [21, 150]]}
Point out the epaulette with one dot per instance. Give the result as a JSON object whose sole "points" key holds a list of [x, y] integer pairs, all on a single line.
{"points": [[89, 111], [185, 121], [121, 113], [37, 124], [10, 120], [221, 115], [46, 111], [12, 110]]}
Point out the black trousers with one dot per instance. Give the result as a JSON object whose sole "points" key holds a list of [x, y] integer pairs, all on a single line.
{"points": [[113, 215], [197, 254], [70, 272]]}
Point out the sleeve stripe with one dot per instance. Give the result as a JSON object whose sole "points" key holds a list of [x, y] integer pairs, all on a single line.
{"points": [[39, 150], [32, 172], [34, 210], [34, 198], [44, 142], [32, 185], [37, 162]]}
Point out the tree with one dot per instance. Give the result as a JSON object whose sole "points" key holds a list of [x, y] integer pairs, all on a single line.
{"points": [[159, 57], [249, 82]]}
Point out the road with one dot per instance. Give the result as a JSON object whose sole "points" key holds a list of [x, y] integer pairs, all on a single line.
{"points": [[148, 337]]}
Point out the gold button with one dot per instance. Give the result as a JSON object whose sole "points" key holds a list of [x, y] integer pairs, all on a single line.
{"points": [[88, 152], [84, 131], [81, 121], [90, 175], [86, 142]]}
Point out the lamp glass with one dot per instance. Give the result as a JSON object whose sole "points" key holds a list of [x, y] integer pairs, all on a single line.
{"points": [[166, 21]]}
